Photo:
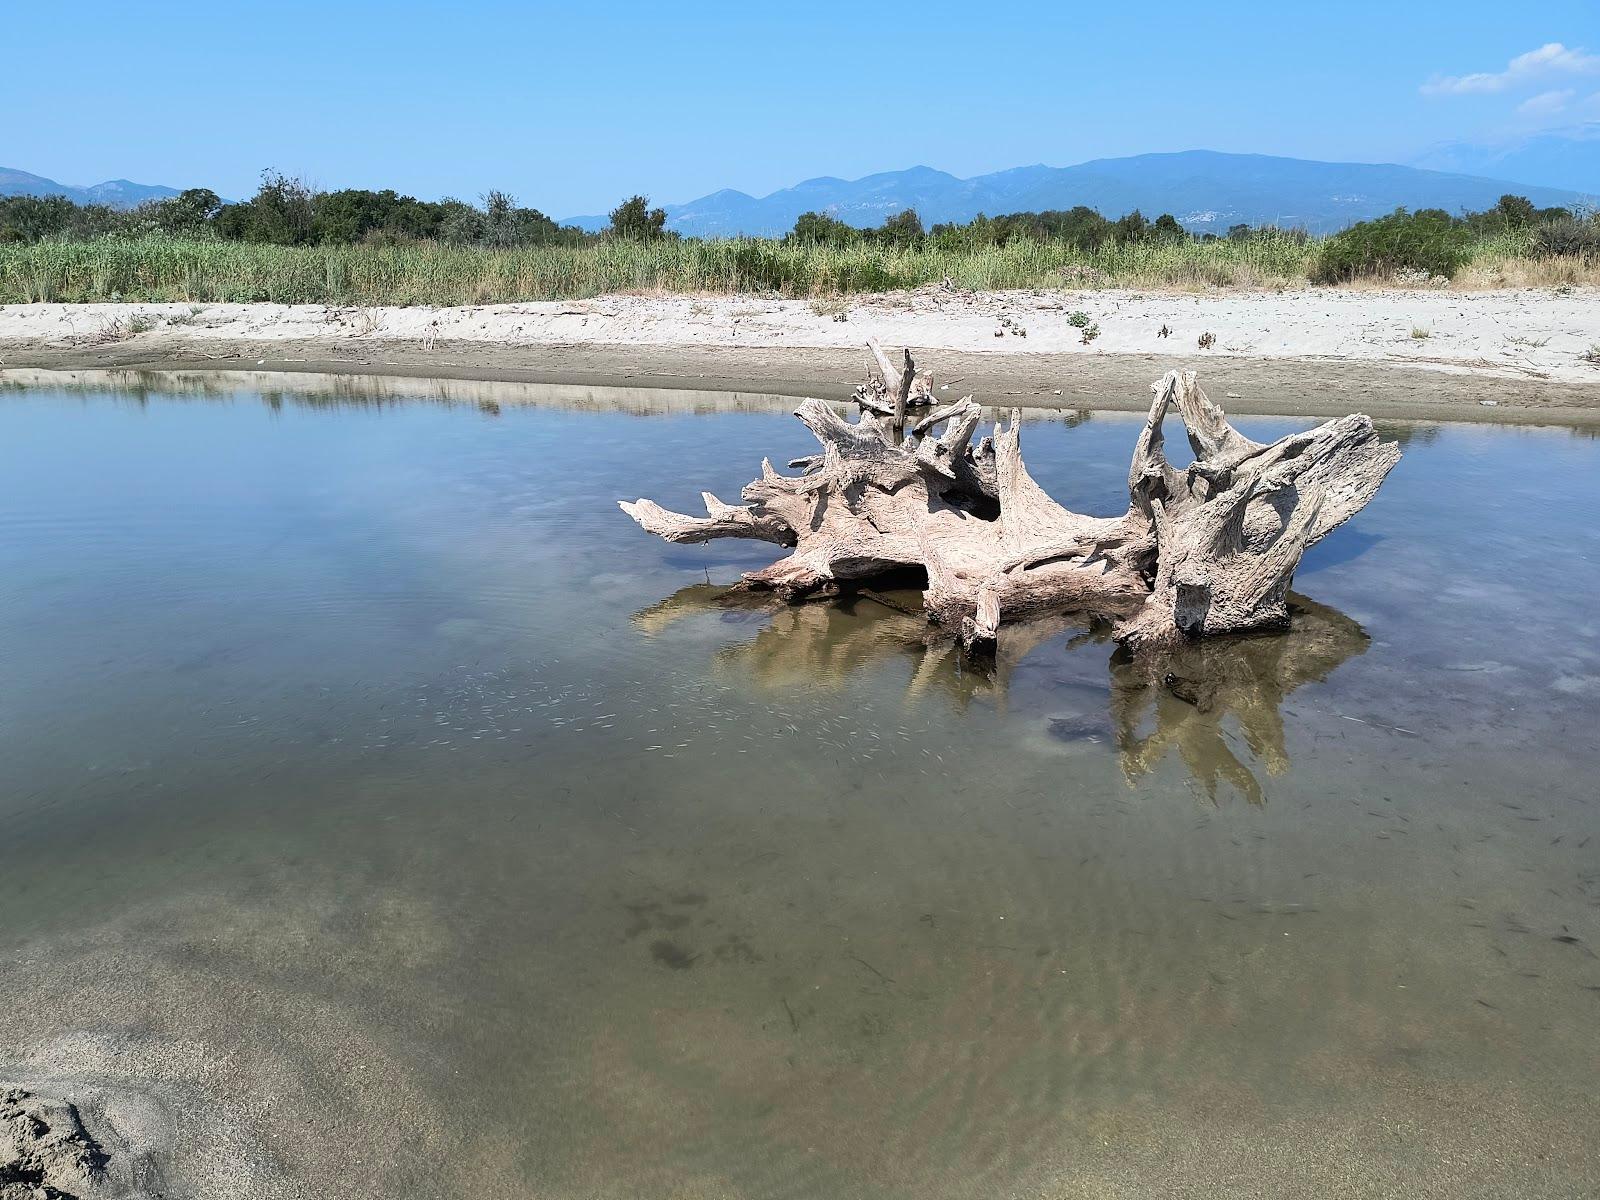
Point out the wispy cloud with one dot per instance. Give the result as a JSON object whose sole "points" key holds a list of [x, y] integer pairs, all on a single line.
{"points": [[1550, 59], [1547, 104]]}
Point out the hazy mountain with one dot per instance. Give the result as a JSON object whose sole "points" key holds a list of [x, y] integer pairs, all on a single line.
{"points": [[1206, 190], [1568, 158], [117, 193]]}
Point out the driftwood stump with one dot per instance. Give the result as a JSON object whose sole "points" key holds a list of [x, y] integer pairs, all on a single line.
{"points": [[1208, 549]]}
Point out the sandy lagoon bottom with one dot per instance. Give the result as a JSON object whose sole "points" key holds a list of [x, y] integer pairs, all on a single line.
{"points": [[398, 820]]}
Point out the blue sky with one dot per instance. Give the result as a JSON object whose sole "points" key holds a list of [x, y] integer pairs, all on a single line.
{"points": [[572, 107]]}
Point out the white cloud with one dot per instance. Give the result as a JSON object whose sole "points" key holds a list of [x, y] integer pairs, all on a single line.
{"points": [[1546, 104], [1550, 59]]}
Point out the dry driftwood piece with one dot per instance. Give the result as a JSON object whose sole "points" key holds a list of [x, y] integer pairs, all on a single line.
{"points": [[1208, 549]]}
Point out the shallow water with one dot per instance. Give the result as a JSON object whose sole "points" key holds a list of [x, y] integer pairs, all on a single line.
{"points": [[377, 793]]}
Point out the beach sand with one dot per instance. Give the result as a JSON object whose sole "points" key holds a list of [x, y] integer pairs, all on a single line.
{"points": [[1501, 356]]}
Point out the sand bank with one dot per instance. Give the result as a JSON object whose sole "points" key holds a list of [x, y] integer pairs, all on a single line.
{"points": [[1315, 351], [1524, 334]]}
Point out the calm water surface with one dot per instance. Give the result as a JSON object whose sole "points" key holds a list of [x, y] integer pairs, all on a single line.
{"points": [[373, 786]]}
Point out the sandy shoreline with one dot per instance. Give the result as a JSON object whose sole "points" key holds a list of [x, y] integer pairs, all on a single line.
{"points": [[1501, 356]]}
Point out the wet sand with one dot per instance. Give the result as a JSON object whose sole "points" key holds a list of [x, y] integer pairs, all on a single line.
{"points": [[1119, 382]]}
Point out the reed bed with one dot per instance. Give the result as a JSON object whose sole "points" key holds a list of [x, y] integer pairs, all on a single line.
{"points": [[161, 269]]}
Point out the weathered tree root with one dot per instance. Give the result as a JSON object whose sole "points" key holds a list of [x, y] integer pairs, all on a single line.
{"points": [[1205, 550]]}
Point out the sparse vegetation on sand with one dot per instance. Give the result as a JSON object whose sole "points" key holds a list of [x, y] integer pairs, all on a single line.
{"points": [[156, 268]]}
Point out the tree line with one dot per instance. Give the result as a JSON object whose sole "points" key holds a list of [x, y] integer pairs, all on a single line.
{"points": [[1088, 230], [288, 211], [1082, 227]]}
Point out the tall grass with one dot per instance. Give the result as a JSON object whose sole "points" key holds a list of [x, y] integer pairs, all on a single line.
{"points": [[156, 269]]}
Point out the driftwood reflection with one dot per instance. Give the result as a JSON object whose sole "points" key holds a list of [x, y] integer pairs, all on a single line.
{"points": [[1179, 700]]}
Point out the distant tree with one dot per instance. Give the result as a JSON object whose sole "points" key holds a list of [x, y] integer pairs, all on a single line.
{"points": [[1082, 226], [460, 224], [978, 232], [1266, 233], [282, 211], [1167, 229], [356, 215], [818, 229], [1131, 227], [636, 220], [902, 229], [188, 213], [507, 225], [33, 218], [1516, 211]]}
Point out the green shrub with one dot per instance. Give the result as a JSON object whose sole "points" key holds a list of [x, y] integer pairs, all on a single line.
{"points": [[1428, 240], [634, 219], [819, 229], [1566, 235]]}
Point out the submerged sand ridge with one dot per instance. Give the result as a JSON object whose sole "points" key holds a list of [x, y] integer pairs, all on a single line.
{"points": [[1521, 334]]}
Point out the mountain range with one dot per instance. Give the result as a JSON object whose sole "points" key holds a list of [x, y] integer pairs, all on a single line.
{"points": [[1206, 190], [116, 193]]}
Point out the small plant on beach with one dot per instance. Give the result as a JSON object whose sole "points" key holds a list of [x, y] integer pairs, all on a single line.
{"points": [[1090, 332], [1592, 355], [1078, 320], [120, 329], [1420, 333]]}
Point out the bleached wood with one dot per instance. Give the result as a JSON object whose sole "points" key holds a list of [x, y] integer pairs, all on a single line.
{"points": [[1208, 549], [1230, 529]]}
